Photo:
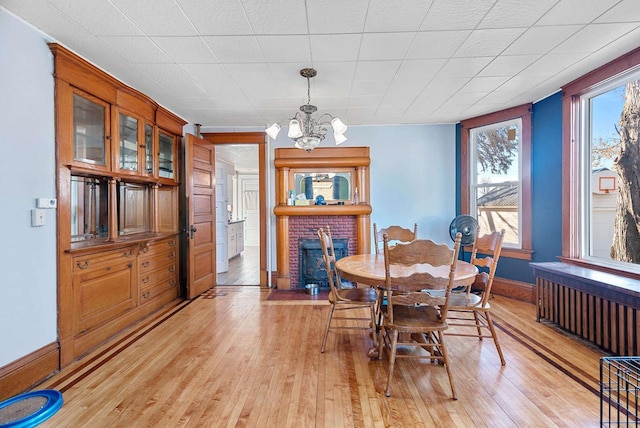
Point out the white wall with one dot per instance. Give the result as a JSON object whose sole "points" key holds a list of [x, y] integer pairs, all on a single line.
{"points": [[27, 171]]}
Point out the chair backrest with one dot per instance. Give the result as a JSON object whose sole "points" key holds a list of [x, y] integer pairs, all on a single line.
{"points": [[489, 245], [329, 257], [395, 234], [408, 280]]}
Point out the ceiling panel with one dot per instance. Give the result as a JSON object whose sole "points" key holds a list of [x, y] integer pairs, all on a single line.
{"points": [[236, 63]]}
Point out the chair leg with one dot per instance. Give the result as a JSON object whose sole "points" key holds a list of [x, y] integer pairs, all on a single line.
{"points": [[392, 360], [478, 325], [495, 337], [445, 358], [374, 327], [326, 330]]}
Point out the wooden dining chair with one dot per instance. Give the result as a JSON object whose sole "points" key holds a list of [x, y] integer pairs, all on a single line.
{"points": [[470, 310], [395, 233], [413, 316], [342, 298]]}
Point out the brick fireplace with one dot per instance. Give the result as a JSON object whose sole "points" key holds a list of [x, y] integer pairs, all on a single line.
{"points": [[349, 219], [303, 228]]}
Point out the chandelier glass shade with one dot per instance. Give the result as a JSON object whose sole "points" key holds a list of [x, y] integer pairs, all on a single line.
{"points": [[304, 129]]}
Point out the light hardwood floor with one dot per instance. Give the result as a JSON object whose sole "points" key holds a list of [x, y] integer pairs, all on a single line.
{"points": [[232, 358], [244, 269]]}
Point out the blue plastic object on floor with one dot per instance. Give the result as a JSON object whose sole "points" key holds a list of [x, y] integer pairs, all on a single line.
{"points": [[49, 408]]}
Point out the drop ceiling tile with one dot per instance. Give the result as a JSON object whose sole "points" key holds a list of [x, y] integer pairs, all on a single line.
{"points": [[575, 12], [137, 50], [163, 18], [336, 16], [217, 17], [455, 14], [436, 44], [552, 64], [515, 13], [625, 11], [376, 70], [539, 40], [187, 50], [212, 77], [384, 46], [361, 88], [488, 42], [508, 65], [235, 49], [418, 70], [362, 101], [386, 16], [484, 84], [286, 48], [173, 79], [522, 83], [100, 17], [594, 37], [332, 71], [281, 17], [335, 47], [464, 67]]}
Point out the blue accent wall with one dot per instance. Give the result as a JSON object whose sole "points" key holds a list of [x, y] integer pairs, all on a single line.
{"points": [[546, 188]]}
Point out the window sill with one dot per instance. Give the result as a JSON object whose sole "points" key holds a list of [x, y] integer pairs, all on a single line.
{"points": [[600, 267], [516, 253]]}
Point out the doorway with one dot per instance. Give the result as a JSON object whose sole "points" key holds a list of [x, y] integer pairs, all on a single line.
{"points": [[241, 196]]}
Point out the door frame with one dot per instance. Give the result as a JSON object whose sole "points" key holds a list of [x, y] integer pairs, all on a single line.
{"points": [[258, 138]]}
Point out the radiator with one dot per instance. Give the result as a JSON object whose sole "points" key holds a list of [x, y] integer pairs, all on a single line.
{"points": [[599, 307]]}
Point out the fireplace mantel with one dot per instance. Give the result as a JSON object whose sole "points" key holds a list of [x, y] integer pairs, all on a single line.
{"points": [[355, 215]]}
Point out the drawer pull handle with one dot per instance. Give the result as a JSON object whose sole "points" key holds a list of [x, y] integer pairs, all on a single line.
{"points": [[145, 264], [172, 269], [145, 295], [172, 283], [172, 243], [172, 255], [145, 280], [83, 265], [128, 253], [144, 250]]}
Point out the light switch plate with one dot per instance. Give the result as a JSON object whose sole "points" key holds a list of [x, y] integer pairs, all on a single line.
{"points": [[37, 217]]}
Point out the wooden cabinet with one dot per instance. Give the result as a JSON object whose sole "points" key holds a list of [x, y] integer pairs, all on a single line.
{"points": [[158, 271], [103, 287], [236, 238], [118, 196]]}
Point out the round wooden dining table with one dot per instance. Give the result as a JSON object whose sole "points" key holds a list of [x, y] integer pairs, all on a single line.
{"points": [[369, 269]]}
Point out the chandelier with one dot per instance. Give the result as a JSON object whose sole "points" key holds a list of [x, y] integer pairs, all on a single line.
{"points": [[306, 131]]}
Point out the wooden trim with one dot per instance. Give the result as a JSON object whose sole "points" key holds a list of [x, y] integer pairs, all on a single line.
{"points": [[287, 210], [259, 139], [571, 145], [523, 112], [517, 290], [20, 375]]}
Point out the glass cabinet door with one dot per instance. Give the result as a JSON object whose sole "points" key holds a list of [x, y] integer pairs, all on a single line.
{"points": [[128, 142], [148, 149], [89, 119], [166, 156]]}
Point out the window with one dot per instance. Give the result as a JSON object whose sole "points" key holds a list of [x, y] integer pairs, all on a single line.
{"points": [[495, 176], [604, 209]]}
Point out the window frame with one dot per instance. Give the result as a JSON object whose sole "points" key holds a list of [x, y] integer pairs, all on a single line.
{"points": [[573, 153], [522, 112]]}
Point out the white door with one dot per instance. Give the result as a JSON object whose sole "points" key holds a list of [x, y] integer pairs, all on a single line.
{"points": [[251, 210], [222, 223]]}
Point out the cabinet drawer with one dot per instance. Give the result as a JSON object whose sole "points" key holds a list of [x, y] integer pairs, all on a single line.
{"points": [[149, 279], [154, 260], [99, 261], [159, 246], [162, 285]]}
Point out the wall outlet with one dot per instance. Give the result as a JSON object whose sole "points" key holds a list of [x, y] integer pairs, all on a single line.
{"points": [[46, 203], [37, 217]]}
